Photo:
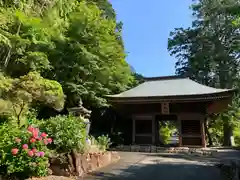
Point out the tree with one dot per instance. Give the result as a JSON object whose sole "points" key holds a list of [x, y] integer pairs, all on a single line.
{"points": [[207, 50], [75, 43], [23, 92], [106, 7], [92, 59]]}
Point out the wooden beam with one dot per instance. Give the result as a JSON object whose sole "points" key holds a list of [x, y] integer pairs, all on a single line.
{"points": [[179, 131], [133, 130], [218, 105], [169, 100], [153, 130], [191, 116]]}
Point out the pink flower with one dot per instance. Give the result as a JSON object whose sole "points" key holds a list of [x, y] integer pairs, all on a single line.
{"points": [[25, 146], [49, 140], [34, 150], [44, 134], [14, 151], [37, 154], [32, 140], [30, 128], [30, 153], [41, 153], [18, 140], [35, 132]]}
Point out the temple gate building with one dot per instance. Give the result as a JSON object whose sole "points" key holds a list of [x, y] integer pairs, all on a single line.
{"points": [[170, 98]]}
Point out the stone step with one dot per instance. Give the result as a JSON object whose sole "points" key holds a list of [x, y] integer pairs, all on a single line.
{"points": [[154, 149]]}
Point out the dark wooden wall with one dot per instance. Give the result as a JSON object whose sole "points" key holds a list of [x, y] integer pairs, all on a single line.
{"points": [[127, 110], [175, 108]]}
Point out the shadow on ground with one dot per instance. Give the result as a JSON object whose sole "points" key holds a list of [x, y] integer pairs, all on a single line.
{"points": [[161, 166], [187, 157]]}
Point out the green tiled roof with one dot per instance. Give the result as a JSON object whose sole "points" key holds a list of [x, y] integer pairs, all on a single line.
{"points": [[169, 86]]}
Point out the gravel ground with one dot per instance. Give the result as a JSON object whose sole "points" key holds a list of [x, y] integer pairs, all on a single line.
{"points": [[150, 166]]}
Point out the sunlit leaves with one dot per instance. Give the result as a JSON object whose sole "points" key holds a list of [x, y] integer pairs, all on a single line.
{"points": [[92, 59], [27, 90], [77, 43]]}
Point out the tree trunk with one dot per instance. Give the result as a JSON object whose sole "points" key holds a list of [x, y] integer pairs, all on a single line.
{"points": [[227, 129], [74, 161], [227, 132], [210, 142], [77, 163], [72, 167]]}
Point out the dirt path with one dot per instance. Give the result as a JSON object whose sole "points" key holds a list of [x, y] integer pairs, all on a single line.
{"points": [[146, 166]]}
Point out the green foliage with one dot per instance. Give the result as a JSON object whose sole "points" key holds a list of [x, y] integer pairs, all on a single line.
{"points": [[106, 7], [103, 142], [78, 44], [236, 134], [232, 113], [165, 132], [68, 132], [20, 93], [93, 140], [95, 59], [17, 161], [229, 116], [236, 22], [216, 131]]}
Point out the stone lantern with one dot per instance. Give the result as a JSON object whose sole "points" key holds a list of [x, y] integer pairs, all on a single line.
{"points": [[82, 111]]}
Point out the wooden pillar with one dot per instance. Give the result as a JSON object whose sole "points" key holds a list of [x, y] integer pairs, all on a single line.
{"points": [[157, 140], [179, 131], [153, 130], [203, 133], [133, 130]]}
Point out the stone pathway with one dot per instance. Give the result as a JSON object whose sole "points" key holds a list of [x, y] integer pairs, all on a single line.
{"points": [[227, 153], [154, 166]]}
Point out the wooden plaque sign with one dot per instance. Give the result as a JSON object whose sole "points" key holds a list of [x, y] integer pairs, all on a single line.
{"points": [[165, 108]]}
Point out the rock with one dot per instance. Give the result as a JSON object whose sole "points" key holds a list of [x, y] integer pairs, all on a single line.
{"points": [[135, 148], [57, 170], [84, 163], [50, 172], [153, 149]]}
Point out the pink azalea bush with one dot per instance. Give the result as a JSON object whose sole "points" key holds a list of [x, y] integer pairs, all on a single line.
{"points": [[21, 149]]}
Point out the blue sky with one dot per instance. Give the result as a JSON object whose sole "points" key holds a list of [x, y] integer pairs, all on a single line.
{"points": [[146, 28]]}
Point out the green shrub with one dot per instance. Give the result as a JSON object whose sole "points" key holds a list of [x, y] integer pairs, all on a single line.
{"points": [[216, 131], [103, 142], [93, 140], [68, 132], [24, 152], [236, 134], [165, 133]]}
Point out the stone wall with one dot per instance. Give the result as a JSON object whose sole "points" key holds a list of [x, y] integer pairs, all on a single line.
{"points": [[81, 164]]}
